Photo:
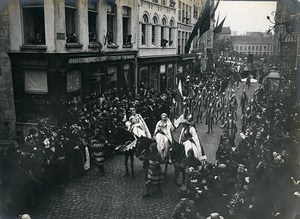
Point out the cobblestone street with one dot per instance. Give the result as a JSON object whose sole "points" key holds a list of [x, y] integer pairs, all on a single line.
{"points": [[117, 196]]}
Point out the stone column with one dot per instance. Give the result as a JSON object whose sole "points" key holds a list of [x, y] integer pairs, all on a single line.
{"points": [[49, 16], [15, 24], [83, 28], [59, 25]]}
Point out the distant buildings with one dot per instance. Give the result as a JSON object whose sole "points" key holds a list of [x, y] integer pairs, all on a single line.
{"points": [[253, 43]]}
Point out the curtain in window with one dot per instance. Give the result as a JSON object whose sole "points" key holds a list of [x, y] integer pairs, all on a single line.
{"points": [[36, 82], [73, 81]]}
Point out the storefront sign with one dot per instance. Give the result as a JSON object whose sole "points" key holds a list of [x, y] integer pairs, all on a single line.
{"points": [[98, 59]]}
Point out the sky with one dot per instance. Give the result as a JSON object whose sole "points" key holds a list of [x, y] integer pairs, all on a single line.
{"points": [[245, 16]]}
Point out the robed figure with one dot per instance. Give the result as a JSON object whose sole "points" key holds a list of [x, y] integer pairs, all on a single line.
{"points": [[163, 135]]}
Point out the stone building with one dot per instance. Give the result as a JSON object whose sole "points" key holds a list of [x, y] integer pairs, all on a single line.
{"points": [[7, 108], [63, 50], [258, 45], [157, 57]]}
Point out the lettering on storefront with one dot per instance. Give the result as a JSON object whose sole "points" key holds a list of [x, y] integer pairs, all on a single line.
{"points": [[98, 59], [33, 62], [60, 36]]}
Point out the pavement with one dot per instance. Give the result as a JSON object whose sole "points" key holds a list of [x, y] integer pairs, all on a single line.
{"points": [[115, 196]]}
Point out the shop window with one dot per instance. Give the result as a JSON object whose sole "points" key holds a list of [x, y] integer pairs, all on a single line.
{"points": [[154, 31], [33, 22], [144, 29], [36, 95], [112, 77], [126, 71], [74, 85], [92, 18], [71, 22], [144, 76], [111, 24], [126, 13]]}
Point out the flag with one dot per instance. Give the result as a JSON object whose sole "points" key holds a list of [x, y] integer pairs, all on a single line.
{"points": [[202, 24], [179, 99], [219, 28]]}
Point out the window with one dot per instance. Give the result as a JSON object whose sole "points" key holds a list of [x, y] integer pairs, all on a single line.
{"points": [[163, 2], [92, 18], [171, 33], [154, 31], [111, 24], [71, 21], [36, 97], [187, 14], [265, 48], [236, 48], [179, 11], [190, 14], [249, 47], [144, 29], [196, 11], [126, 13], [183, 12], [252, 47], [245, 47], [33, 22], [155, 1], [260, 47], [241, 47], [162, 33]]}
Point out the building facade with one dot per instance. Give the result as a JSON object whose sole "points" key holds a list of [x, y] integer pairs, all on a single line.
{"points": [[157, 58], [258, 45], [66, 50], [7, 108]]}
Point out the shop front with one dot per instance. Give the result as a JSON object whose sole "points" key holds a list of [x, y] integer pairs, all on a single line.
{"points": [[44, 83]]}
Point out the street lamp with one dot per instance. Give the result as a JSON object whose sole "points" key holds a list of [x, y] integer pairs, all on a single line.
{"points": [[273, 80]]}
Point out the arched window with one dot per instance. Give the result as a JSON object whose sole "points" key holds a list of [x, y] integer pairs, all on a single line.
{"points": [[154, 30], [171, 32], [162, 33], [144, 29]]}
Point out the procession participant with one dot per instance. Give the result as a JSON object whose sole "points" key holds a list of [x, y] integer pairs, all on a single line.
{"points": [[244, 101], [230, 129], [233, 105], [154, 171], [163, 135], [189, 138], [210, 115], [138, 126], [218, 106], [97, 148]]}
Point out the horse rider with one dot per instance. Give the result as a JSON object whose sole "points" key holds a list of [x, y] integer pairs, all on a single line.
{"points": [[189, 138], [137, 125], [163, 135]]}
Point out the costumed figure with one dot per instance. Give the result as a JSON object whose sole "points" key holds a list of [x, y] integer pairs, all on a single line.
{"points": [[189, 138], [244, 101], [210, 115], [163, 135]]}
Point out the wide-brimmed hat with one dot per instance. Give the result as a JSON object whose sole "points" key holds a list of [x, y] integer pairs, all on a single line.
{"points": [[215, 216]]}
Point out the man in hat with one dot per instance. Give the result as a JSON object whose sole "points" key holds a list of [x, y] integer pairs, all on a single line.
{"points": [[97, 148]]}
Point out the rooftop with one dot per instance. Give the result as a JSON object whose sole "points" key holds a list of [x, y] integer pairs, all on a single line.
{"points": [[252, 39]]}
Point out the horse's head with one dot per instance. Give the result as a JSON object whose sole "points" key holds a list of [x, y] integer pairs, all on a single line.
{"points": [[177, 152], [143, 147]]}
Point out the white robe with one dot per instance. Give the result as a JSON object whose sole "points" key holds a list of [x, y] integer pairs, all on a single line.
{"points": [[163, 137], [197, 148]]}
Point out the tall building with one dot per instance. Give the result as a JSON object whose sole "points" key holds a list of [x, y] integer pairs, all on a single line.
{"points": [[62, 50], [157, 57]]}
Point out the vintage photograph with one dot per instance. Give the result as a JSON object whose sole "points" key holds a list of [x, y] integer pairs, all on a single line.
{"points": [[149, 109]]}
